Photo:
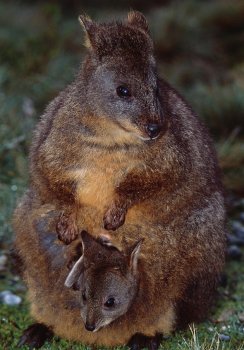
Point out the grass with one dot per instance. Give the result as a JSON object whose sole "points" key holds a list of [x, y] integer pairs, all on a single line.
{"points": [[199, 50], [231, 160], [195, 344]]}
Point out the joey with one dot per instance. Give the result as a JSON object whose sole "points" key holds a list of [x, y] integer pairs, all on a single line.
{"points": [[106, 279]]}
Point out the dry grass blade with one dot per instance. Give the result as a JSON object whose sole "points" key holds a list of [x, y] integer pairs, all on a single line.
{"points": [[195, 344]]}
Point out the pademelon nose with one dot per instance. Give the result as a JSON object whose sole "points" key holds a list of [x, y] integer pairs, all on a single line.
{"points": [[89, 327], [153, 130]]}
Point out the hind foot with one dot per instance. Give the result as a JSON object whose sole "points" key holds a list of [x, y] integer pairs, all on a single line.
{"points": [[35, 336], [140, 341]]}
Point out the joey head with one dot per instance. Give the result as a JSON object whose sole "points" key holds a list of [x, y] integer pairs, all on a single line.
{"points": [[106, 279]]}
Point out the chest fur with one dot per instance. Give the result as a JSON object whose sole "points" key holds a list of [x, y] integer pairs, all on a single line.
{"points": [[97, 180]]}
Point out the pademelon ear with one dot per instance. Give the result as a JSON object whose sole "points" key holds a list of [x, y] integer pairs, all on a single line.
{"points": [[89, 27], [86, 22], [137, 19]]}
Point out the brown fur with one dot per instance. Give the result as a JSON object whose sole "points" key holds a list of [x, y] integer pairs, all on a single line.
{"points": [[92, 159]]}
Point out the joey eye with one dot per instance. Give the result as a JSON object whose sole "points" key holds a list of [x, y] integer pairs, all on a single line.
{"points": [[110, 302], [123, 91], [84, 298]]}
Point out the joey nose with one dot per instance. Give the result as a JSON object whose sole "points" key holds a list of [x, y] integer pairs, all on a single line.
{"points": [[153, 130], [89, 327]]}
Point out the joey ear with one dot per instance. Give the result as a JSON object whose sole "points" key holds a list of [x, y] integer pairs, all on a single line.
{"points": [[86, 239], [134, 255], [77, 269], [137, 19], [75, 273]]}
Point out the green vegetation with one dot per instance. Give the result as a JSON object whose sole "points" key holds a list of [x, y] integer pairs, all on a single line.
{"points": [[199, 48]]}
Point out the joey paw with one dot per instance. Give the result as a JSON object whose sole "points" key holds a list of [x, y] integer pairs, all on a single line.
{"points": [[35, 336], [66, 228], [114, 218], [139, 341]]}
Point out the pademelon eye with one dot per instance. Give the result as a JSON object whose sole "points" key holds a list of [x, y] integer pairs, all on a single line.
{"points": [[123, 91], [110, 302]]}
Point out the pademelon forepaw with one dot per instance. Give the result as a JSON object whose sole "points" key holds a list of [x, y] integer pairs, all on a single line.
{"points": [[114, 217], [66, 228]]}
